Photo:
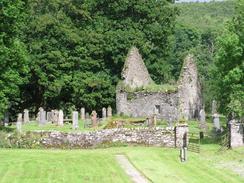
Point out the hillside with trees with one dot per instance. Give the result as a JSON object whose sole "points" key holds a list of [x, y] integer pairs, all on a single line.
{"points": [[68, 54]]}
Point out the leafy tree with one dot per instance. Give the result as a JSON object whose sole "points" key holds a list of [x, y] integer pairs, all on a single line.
{"points": [[230, 65], [77, 48], [13, 56]]}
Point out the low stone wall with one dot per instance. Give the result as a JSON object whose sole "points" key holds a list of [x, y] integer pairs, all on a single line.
{"points": [[150, 137], [141, 136]]}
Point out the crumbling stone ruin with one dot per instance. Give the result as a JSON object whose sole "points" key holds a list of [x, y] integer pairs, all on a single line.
{"points": [[134, 100]]}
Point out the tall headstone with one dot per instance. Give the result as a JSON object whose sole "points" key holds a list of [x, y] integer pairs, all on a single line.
{"points": [[109, 112], [214, 107], [42, 116], [49, 116], [94, 119], [60, 118], [55, 116], [216, 122], [87, 116], [202, 116], [75, 120], [82, 113], [154, 120], [26, 116], [104, 113], [6, 119], [19, 122]]}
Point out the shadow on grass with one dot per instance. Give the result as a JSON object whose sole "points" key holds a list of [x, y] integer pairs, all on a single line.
{"points": [[6, 129]]}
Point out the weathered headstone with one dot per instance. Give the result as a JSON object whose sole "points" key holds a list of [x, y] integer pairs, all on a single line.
{"points": [[55, 116], [42, 116], [49, 116], [109, 112], [104, 113], [94, 119], [82, 113], [214, 107], [216, 122], [19, 122], [202, 116], [75, 120], [6, 119], [26, 116], [87, 116], [154, 120], [60, 118]]}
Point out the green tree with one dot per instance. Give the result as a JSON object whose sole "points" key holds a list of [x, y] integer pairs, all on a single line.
{"points": [[13, 56], [78, 48], [230, 65]]}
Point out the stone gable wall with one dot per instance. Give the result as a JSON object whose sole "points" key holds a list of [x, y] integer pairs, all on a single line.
{"points": [[185, 102], [135, 73]]}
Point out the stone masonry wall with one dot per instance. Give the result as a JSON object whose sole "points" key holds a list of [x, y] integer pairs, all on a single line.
{"points": [[144, 136], [185, 103], [141, 104]]}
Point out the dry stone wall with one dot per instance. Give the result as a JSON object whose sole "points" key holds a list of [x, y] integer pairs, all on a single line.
{"points": [[142, 136]]}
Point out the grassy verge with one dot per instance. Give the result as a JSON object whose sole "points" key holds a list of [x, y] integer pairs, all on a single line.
{"points": [[158, 164]]}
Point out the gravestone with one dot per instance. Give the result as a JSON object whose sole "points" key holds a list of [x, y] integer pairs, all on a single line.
{"points": [[202, 116], [87, 116], [49, 116], [6, 119], [151, 121], [104, 113], [216, 122], [82, 113], [42, 113], [55, 116], [94, 119], [75, 120], [19, 123], [109, 112], [60, 118], [87, 122], [154, 120], [214, 107], [26, 116]]}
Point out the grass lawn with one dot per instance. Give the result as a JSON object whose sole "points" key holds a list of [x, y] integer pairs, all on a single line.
{"points": [[157, 164]]}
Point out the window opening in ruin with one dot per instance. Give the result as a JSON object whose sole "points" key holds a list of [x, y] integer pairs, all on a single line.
{"points": [[157, 109]]}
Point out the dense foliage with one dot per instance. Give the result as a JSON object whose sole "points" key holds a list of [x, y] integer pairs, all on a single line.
{"points": [[13, 56], [77, 49], [68, 54], [197, 29], [230, 65]]}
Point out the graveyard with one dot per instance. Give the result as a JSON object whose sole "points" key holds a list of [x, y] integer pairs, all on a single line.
{"points": [[103, 91]]}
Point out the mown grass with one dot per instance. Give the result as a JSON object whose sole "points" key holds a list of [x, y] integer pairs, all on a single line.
{"points": [[157, 164]]}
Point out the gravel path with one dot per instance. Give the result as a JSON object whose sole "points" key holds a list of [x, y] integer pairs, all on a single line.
{"points": [[135, 175]]}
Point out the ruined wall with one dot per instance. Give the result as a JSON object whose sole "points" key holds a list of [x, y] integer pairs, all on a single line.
{"points": [[185, 102], [141, 104], [190, 99], [135, 73], [236, 131]]}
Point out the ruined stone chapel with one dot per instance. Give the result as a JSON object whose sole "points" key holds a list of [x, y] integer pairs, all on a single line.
{"points": [[133, 98]]}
